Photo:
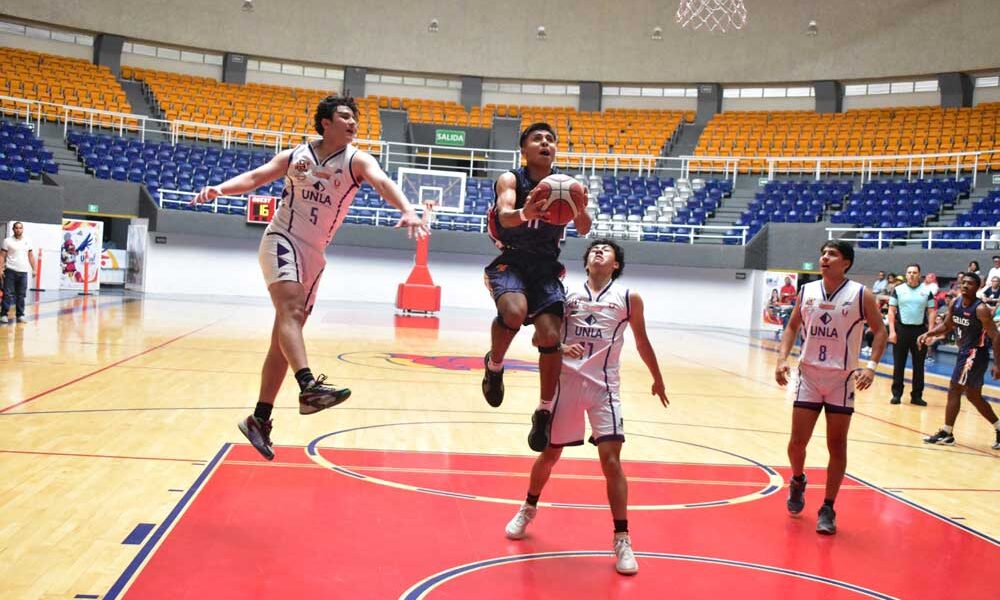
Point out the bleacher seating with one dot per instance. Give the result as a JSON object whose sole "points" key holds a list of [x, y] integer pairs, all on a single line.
{"points": [[165, 166], [898, 204], [862, 132], [443, 112], [251, 106], [22, 154], [59, 80], [793, 202], [984, 213]]}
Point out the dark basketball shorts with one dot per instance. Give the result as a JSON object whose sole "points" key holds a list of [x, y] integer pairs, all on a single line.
{"points": [[539, 279], [970, 367]]}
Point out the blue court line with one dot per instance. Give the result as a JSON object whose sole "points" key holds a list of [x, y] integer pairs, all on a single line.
{"points": [[913, 504], [138, 534], [119, 586]]}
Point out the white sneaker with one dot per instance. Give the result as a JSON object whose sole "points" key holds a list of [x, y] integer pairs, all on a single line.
{"points": [[625, 562], [22, 320], [515, 529], [4, 320]]}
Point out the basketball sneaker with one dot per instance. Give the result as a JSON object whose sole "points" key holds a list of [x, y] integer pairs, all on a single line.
{"points": [[319, 396], [941, 438], [259, 434], [538, 438], [827, 521], [492, 384], [22, 320], [625, 562], [996, 444], [4, 320], [796, 496], [515, 528]]}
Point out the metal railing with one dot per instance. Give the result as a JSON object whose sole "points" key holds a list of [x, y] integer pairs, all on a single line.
{"points": [[488, 162], [695, 232], [884, 236]]}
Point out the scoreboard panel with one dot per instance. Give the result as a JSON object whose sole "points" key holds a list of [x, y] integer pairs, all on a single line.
{"points": [[260, 209]]}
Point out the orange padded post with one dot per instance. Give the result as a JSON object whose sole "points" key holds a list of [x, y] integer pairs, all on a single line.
{"points": [[418, 293]]}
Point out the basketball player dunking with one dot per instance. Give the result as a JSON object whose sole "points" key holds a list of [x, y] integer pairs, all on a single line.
{"points": [[974, 322], [525, 280], [321, 179], [831, 312], [596, 315]]}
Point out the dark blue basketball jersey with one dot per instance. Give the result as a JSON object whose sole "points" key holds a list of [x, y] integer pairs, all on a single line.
{"points": [[968, 328], [532, 237]]}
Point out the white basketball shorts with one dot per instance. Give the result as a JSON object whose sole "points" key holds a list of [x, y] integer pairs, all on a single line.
{"points": [[830, 389], [284, 258], [578, 396]]}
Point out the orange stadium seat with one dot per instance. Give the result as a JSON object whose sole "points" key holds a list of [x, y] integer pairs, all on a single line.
{"points": [[269, 109], [61, 80], [878, 131]]}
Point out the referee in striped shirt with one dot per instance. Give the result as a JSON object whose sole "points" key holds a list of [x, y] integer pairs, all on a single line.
{"points": [[911, 308]]}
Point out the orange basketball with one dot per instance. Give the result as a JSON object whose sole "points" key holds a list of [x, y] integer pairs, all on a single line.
{"points": [[564, 198]]}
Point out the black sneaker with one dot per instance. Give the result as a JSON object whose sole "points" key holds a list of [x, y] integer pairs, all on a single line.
{"points": [[941, 438], [796, 496], [895, 400], [918, 402], [319, 396], [996, 444], [538, 439], [492, 384], [827, 521], [259, 434]]}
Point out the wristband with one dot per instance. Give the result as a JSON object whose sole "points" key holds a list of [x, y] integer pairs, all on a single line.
{"points": [[520, 215], [872, 365]]}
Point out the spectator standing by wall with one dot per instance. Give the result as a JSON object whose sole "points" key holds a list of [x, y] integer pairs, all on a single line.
{"points": [[911, 312], [19, 261]]}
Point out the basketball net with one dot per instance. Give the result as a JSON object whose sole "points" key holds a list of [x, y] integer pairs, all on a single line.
{"points": [[712, 15], [428, 217]]}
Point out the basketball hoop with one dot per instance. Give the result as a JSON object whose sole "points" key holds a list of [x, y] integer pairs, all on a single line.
{"points": [[713, 15]]}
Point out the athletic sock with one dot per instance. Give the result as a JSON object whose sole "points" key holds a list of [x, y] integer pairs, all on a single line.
{"points": [[262, 411], [621, 525], [799, 478], [304, 377], [492, 366], [532, 499], [997, 425], [828, 502], [947, 428], [545, 405]]}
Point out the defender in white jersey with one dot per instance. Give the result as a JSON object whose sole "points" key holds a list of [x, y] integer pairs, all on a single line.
{"points": [[596, 315], [321, 179], [832, 313]]}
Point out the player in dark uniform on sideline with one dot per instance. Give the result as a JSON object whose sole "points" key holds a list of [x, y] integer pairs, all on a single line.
{"points": [[525, 280], [973, 321]]}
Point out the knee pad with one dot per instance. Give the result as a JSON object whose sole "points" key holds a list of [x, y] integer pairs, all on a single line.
{"points": [[548, 349], [501, 323]]}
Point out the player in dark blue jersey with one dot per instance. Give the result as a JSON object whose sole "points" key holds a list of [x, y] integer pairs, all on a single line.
{"points": [[972, 320], [526, 279]]}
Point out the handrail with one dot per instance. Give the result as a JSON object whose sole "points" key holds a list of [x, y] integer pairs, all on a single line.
{"points": [[35, 111], [882, 240], [389, 215]]}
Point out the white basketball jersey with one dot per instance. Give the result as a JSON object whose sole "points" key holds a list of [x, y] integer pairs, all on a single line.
{"points": [[832, 325], [596, 319], [316, 196]]}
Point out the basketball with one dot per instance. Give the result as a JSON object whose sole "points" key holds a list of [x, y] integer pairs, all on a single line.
{"points": [[564, 198]]}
